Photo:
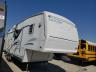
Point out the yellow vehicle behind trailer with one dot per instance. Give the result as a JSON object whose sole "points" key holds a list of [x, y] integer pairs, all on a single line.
{"points": [[86, 51]]}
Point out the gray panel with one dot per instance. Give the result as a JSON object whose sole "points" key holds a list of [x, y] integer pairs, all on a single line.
{"points": [[2, 19], [0, 47], [2, 15], [0, 43]]}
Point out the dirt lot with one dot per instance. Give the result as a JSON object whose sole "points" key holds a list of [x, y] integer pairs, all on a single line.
{"points": [[51, 66]]}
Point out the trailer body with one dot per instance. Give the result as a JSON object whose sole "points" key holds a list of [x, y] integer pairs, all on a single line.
{"points": [[40, 36]]}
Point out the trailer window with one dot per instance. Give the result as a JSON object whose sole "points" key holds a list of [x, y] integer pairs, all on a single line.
{"points": [[31, 29], [16, 34], [39, 26]]}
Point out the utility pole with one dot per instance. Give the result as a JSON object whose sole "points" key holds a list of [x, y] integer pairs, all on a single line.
{"points": [[3, 16]]}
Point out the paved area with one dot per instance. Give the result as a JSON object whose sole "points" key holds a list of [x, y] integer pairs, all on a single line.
{"points": [[51, 66], [4, 67], [68, 67]]}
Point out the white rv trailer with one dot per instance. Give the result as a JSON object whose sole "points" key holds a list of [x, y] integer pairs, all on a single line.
{"points": [[40, 36]]}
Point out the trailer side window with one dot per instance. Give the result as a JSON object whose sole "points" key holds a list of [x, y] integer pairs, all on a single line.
{"points": [[31, 29], [39, 26], [16, 34]]}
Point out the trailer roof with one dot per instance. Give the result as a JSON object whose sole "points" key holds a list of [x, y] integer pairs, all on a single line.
{"points": [[45, 12], [63, 18]]}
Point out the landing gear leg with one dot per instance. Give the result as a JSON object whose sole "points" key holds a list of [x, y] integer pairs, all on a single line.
{"points": [[27, 67], [8, 57]]}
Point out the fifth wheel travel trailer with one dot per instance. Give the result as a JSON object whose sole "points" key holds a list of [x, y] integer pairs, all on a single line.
{"points": [[37, 38], [2, 25]]}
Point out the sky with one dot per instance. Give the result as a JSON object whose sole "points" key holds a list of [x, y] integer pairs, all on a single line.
{"points": [[81, 12]]}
